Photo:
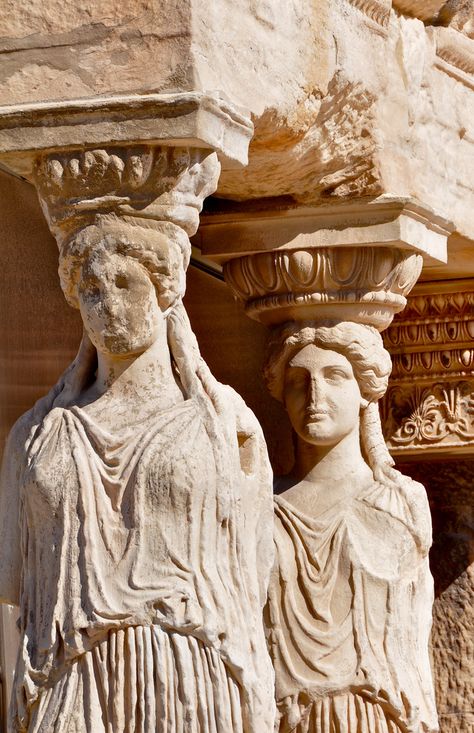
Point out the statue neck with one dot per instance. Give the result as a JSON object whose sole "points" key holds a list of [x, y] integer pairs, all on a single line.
{"points": [[131, 380], [332, 465]]}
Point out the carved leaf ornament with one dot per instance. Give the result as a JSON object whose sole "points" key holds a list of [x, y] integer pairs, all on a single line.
{"points": [[430, 414]]}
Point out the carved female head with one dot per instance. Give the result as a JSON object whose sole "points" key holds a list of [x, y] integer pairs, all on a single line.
{"points": [[329, 376], [124, 278]]}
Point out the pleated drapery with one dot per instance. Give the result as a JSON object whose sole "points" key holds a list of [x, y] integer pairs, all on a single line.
{"points": [[142, 680]]}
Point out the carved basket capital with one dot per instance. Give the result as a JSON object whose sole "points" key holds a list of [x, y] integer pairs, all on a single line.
{"points": [[363, 284], [144, 182]]}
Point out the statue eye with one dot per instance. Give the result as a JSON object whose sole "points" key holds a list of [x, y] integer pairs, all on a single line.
{"points": [[337, 375]]}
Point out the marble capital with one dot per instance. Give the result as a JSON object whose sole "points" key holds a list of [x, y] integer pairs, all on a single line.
{"points": [[154, 156], [353, 262]]}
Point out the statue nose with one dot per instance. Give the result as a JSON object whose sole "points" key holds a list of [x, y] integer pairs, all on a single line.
{"points": [[111, 304], [317, 391]]}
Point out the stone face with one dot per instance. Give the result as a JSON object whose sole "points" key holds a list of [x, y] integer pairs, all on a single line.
{"points": [[150, 545]]}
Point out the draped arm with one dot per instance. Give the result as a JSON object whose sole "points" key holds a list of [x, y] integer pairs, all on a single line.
{"points": [[258, 477]]}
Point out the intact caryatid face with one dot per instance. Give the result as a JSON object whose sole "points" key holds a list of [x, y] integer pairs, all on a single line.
{"points": [[322, 396], [118, 304]]}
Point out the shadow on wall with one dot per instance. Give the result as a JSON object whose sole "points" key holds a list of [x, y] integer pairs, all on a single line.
{"points": [[450, 487], [39, 333]]}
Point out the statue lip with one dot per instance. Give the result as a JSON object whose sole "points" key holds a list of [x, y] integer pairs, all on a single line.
{"points": [[316, 414]]}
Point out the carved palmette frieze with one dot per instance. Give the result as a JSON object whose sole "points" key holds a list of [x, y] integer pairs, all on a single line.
{"points": [[429, 404], [419, 417], [364, 284]]}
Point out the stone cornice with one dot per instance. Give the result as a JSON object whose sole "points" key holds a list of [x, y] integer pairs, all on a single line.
{"points": [[387, 222], [182, 119], [429, 404]]}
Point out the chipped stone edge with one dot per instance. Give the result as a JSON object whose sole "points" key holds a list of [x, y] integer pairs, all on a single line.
{"points": [[422, 9], [190, 118], [454, 54]]}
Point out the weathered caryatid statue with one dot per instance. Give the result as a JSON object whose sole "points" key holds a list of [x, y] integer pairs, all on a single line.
{"points": [[136, 514], [349, 611]]}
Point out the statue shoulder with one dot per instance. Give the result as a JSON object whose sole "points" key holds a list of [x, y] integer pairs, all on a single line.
{"points": [[407, 501], [23, 429], [18, 436], [415, 494]]}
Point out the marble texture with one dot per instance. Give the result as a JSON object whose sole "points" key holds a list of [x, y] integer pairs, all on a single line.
{"points": [[135, 505], [350, 598]]}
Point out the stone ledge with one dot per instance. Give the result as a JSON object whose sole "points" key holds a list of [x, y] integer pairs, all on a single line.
{"points": [[189, 118], [386, 222]]}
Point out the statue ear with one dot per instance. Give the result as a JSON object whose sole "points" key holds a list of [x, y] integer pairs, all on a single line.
{"points": [[363, 403]]}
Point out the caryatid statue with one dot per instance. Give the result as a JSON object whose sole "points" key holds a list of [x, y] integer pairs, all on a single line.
{"points": [[135, 506], [349, 611]]}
